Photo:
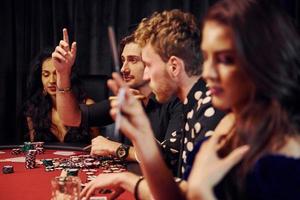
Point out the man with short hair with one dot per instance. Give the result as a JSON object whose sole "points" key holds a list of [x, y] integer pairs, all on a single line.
{"points": [[165, 118], [170, 43], [171, 53]]}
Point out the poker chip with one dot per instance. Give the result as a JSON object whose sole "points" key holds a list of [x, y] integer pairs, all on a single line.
{"points": [[87, 163], [49, 168], [7, 169], [119, 170], [106, 171], [72, 172], [96, 163], [59, 168], [48, 162], [30, 159], [27, 146], [38, 145], [89, 173], [90, 178], [16, 151], [40, 150], [89, 160], [74, 158], [98, 198]]}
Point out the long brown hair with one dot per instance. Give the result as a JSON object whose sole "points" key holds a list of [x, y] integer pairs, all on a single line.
{"points": [[268, 48]]}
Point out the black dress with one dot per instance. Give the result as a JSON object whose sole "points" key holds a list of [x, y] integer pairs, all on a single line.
{"points": [[273, 176]]}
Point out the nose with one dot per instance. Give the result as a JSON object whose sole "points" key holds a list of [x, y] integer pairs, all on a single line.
{"points": [[125, 69], [52, 78], [209, 70], [146, 75]]}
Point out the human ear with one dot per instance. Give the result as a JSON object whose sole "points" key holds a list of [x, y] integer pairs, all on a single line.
{"points": [[175, 66]]}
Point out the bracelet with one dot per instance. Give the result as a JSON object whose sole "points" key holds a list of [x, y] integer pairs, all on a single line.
{"points": [[136, 187], [63, 90]]}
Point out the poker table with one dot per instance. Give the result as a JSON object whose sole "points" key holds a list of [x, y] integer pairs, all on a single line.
{"points": [[31, 184]]}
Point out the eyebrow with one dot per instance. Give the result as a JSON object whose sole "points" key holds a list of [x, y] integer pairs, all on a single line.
{"points": [[47, 71], [134, 56], [225, 51]]}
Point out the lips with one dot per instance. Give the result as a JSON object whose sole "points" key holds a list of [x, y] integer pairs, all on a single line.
{"points": [[127, 78], [52, 88], [215, 90]]}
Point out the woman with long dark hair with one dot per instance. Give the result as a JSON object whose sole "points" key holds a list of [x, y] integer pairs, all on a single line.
{"points": [[251, 64], [43, 120]]}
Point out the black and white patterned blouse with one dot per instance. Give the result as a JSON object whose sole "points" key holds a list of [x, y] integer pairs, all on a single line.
{"points": [[199, 120]]}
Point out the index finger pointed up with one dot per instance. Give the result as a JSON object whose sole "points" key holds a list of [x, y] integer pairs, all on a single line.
{"points": [[65, 35]]}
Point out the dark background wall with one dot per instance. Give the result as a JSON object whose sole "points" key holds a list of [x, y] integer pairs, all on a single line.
{"points": [[27, 26]]}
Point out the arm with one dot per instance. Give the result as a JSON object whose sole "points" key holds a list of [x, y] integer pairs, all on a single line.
{"points": [[102, 146], [63, 60], [96, 114], [30, 129], [125, 180], [94, 131], [137, 128]]}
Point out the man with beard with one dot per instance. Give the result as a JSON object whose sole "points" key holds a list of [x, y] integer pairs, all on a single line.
{"points": [[165, 118], [170, 43]]}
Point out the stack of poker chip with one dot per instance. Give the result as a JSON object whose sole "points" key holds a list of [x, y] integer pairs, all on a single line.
{"points": [[30, 159], [38, 144], [16, 151], [7, 169], [39, 150]]}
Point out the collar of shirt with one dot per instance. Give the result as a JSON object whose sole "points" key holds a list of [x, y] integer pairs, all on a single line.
{"points": [[199, 89]]}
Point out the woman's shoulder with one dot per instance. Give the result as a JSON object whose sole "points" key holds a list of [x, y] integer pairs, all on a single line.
{"points": [[286, 158], [277, 161], [277, 167], [275, 176]]}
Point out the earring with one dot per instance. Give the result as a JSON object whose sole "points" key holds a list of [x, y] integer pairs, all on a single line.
{"points": [[44, 92]]}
